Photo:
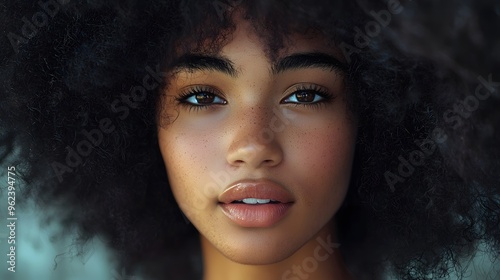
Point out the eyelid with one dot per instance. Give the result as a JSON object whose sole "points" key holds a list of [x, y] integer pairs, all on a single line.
{"points": [[190, 91], [324, 92]]}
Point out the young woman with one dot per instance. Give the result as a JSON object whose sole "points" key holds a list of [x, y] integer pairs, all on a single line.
{"points": [[257, 139]]}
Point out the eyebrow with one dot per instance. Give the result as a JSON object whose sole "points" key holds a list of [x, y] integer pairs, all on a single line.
{"points": [[309, 60], [202, 62]]}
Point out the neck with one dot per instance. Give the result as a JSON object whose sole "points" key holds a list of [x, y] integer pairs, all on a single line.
{"points": [[319, 258]]}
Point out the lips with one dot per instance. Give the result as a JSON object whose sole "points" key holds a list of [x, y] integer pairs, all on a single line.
{"points": [[262, 189], [251, 203]]}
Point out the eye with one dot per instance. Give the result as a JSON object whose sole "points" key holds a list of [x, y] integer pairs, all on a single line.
{"points": [[204, 98], [303, 96], [308, 95], [201, 96]]}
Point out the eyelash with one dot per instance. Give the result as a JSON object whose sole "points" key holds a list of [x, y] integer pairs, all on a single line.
{"points": [[184, 96], [315, 89]]}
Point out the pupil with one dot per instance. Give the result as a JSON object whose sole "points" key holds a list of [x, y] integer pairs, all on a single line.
{"points": [[205, 98], [305, 96]]}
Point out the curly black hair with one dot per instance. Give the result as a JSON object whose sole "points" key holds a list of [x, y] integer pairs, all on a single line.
{"points": [[82, 80]]}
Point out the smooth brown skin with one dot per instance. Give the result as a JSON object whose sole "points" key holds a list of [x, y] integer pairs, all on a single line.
{"points": [[309, 152]]}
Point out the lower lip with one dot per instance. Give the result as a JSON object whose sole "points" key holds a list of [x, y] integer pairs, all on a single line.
{"points": [[255, 215]]}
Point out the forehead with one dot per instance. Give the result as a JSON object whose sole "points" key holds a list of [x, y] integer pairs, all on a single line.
{"points": [[245, 48], [246, 34], [246, 37]]}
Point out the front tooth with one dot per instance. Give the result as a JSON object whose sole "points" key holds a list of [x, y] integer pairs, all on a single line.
{"points": [[256, 201]]}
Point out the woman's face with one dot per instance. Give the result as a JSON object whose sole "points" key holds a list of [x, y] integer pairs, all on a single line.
{"points": [[258, 153]]}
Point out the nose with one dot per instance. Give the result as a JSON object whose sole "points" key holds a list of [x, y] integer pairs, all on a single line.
{"points": [[254, 143]]}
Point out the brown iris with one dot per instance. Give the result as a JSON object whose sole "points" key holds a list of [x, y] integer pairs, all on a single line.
{"points": [[205, 98], [305, 96]]}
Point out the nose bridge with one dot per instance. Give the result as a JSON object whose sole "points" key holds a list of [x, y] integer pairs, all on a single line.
{"points": [[253, 127], [253, 142], [255, 118]]}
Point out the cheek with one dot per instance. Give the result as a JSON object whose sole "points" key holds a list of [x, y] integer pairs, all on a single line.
{"points": [[325, 155], [187, 157]]}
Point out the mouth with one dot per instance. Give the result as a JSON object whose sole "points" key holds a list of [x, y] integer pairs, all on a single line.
{"points": [[256, 203], [256, 192]]}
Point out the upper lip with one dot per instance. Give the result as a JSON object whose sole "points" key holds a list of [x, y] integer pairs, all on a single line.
{"points": [[260, 189]]}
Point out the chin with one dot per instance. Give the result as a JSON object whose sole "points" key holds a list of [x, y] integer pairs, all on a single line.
{"points": [[259, 257], [263, 254]]}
